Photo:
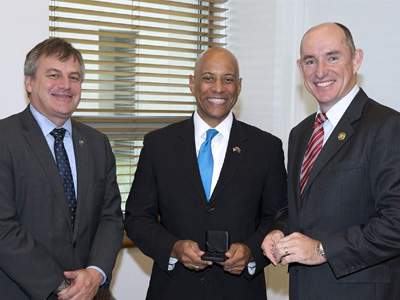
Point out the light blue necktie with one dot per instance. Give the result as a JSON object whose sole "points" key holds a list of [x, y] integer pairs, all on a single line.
{"points": [[206, 161]]}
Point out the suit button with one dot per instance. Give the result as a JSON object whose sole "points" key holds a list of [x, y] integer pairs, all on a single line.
{"points": [[209, 209], [202, 280]]}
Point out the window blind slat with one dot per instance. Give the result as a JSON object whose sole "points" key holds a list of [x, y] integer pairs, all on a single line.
{"points": [[74, 11], [137, 27], [168, 3], [136, 37], [136, 46]]}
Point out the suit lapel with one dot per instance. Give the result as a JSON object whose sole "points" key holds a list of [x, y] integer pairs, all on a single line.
{"points": [[301, 143], [82, 171], [39, 146], [186, 148], [334, 143], [235, 153]]}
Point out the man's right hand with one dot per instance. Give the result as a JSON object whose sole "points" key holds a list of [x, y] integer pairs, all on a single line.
{"points": [[189, 254], [269, 243]]}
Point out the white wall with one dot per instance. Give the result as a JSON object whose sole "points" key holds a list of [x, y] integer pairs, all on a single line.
{"points": [[23, 23], [265, 36]]}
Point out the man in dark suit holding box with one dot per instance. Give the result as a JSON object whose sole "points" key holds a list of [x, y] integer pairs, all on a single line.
{"points": [[209, 172]]}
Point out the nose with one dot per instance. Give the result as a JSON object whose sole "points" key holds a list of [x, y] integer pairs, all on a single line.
{"points": [[64, 83], [321, 70], [218, 86]]}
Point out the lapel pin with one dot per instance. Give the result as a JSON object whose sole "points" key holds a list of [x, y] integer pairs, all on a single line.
{"points": [[341, 136], [236, 149], [81, 143]]}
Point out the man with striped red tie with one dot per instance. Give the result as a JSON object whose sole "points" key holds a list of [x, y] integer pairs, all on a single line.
{"points": [[340, 232]]}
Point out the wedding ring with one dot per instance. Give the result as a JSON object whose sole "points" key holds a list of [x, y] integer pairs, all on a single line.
{"points": [[229, 270], [196, 267], [286, 251]]}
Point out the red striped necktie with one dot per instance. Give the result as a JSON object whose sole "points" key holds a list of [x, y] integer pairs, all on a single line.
{"points": [[313, 149]]}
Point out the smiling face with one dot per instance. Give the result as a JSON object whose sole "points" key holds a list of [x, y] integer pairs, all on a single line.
{"points": [[216, 85], [55, 89], [328, 67]]}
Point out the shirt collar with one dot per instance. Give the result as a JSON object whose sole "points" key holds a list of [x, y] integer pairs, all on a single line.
{"points": [[46, 125], [336, 112], [201, 127]]}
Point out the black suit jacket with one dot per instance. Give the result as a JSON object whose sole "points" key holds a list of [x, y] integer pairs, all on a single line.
{"points": [[352, 203], [250, 190], [36, 240]]}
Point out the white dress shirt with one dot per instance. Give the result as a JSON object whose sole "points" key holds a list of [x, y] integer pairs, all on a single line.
{"points": [[219, 144], [336, 112]]}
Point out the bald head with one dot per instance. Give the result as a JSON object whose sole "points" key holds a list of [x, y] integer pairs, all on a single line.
{"points": [[217, 53], [328, 63], [216, 84], [338, 29]]}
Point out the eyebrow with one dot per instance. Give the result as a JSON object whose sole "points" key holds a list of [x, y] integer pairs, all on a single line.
{"points": [[53, 70], [334, 52], [59, 71], [210, 73], [308, 57]]}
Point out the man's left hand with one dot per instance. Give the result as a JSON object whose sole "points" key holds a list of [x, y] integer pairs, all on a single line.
{"points": [[84, 284], [239, 255], [299, 248]]}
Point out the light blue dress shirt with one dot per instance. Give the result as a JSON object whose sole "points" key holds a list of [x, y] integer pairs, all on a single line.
{"points": [[47, 126]]}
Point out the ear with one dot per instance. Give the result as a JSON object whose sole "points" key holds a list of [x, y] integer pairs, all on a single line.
{"points": [[300, 67], [191, 83], [239, 86], [357, 60], [28, 83]]}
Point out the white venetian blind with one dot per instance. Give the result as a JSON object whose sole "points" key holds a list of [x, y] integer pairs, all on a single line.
{"points": [[138, 57]]}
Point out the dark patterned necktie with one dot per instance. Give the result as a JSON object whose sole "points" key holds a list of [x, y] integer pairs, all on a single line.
{"points": [[65, 171]]}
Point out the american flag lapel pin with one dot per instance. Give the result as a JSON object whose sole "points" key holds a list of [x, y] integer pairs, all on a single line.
{"points": [[236, 149]]}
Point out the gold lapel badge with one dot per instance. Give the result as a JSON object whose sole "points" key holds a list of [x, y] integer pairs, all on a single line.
{"points": [[81, 143], [236, 149], [341, 136]]}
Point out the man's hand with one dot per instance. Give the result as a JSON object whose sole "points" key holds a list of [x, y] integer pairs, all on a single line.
{"points": [[84, 284], [239, 255], [297, 247], [189, 254], [269, 244]]}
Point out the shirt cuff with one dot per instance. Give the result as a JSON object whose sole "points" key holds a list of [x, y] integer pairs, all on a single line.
{"points": [[251, 267], [101, 271], [171, 263]]}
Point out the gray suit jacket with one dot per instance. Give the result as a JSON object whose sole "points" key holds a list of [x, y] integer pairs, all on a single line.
{"points": [[351, 203], [250, 190], [36, 240]]}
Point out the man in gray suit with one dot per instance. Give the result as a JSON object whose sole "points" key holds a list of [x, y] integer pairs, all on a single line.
{"points": [[60, 217], [343, 224]]}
